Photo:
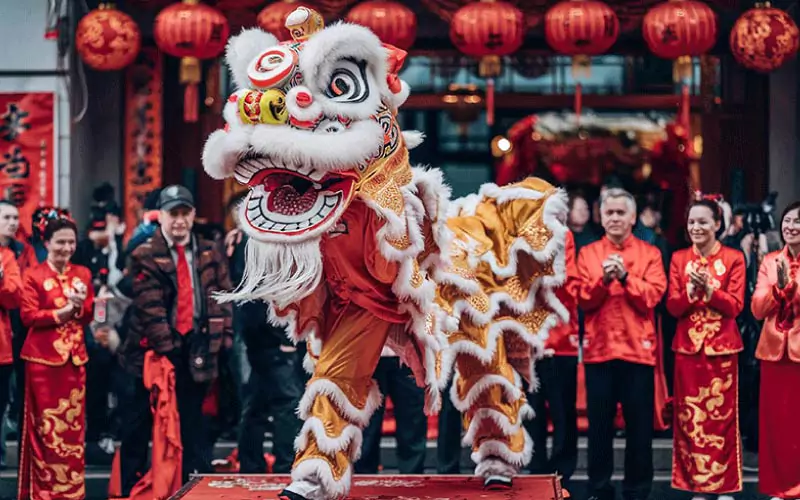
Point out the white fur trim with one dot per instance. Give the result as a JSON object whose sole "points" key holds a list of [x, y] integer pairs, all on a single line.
{"points": [[465, 206], [242, 49], [536, 340], [349, 439], [328, 388], [502, 422], [292, 147], [498, 449], [512, 390], [218, 162], [413, 138], [309, 364], [317, 471], [399, 98], [495, 467], [341, 151]]}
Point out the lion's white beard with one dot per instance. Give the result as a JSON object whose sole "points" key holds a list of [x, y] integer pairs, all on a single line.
{"points": [[278, 273]]}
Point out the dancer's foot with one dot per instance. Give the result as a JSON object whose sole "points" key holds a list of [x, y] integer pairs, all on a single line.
{"points": [[288, 495], [724, 497], [300, 490], [497, 483], [699, 497]]}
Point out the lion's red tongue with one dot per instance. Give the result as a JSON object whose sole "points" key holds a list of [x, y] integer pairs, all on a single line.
{"points": [[285, 200]]}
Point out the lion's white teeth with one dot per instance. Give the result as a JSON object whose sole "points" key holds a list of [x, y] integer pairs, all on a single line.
{"points": [[248, 167]]}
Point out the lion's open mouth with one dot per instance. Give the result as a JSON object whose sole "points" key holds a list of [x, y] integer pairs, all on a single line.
{"points": [[291, 200]]}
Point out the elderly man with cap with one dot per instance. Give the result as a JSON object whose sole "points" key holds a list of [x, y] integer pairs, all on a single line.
{"points": [[175, 316]]}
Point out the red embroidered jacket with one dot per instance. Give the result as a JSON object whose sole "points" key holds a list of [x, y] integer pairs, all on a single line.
{"points": [[49, 341], [10, 292], [707, 322], [563, 339], [620, 323], [780, 309]]}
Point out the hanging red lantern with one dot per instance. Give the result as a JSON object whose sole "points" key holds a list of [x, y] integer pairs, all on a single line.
{"points": [[680, 30], [272, 18], [488, 30], [107, 39], [762, 39], [581, 29], [392, 22], [192, 31]]}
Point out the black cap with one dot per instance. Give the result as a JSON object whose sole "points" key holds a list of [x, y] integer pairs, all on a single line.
{"points": [[175, 196]]}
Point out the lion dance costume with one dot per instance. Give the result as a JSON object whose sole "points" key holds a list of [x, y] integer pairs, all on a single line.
{"points": [[354, 250]]}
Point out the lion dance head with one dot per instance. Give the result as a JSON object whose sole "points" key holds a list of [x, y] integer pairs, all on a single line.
{"points": [[311, 125]]}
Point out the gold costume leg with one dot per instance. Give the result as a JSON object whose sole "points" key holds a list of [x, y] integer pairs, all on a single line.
{"points": [[494, 406], [338, 403]]}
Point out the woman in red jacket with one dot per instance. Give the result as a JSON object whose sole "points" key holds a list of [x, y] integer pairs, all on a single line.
{"points": [[706, 293], [56, 305], [777, 302]]}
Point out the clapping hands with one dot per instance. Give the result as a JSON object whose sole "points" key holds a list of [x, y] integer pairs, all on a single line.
{"points": [[614, 268], [783, 273]]}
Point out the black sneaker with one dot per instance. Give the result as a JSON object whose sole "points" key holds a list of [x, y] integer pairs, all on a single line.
{"points": [[497, 483], [290, 495]]}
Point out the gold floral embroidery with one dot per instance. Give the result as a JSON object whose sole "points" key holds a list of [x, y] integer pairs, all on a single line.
{"points": [[534, 320], [70, 335], [67, 416], [705, 323], [480, 302], [703, 407], [698, 410], [536, 234], [61, 479]]}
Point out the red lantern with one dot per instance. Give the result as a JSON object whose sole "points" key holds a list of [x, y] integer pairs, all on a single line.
{"points": [[680, 30], [392, 22], [191, 31], [272, 18], [763, 38], [488, 30], [107, 39], [581, 28]]}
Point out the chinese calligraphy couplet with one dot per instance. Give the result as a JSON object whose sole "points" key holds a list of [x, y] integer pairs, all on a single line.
{"points": [[27, 152], [143, 140]]}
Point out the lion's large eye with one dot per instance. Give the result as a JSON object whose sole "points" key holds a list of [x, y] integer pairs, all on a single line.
{"points": [[348, 82]]}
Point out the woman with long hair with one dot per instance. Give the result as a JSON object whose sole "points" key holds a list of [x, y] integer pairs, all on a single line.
{"points": [[56, 304], [777, 302], [706, 294]]}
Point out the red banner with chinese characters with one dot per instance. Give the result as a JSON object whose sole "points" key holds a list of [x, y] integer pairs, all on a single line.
{"points": [[143, 140], [27, 152]]}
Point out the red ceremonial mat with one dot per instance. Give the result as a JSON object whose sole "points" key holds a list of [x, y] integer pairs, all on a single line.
{"points": [[381, 487]]}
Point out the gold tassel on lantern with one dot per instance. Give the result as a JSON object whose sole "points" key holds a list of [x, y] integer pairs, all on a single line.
{"points": [[682, 69], [489, 68], [581, 67], [190, 76]]}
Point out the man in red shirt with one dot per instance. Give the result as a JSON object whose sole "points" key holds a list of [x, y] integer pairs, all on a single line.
{"points": [[622, 281]]}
